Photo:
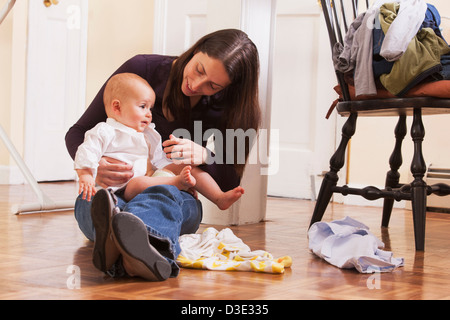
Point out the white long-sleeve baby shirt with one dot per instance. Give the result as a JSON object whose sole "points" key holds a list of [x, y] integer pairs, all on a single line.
{"points": [[115, 140]]}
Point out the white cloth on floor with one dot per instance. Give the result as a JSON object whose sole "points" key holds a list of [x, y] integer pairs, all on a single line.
{"points": [[214, 250], [348, 243]]}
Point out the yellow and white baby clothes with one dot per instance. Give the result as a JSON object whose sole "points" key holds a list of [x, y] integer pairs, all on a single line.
{"points": [[222, 250]]}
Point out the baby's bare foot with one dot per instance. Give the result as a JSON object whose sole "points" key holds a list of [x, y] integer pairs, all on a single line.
{"points": [[229, 197], [187, 181]]}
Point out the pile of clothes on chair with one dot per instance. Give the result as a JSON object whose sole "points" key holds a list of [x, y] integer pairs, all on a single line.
{"points": [[393, 46]]}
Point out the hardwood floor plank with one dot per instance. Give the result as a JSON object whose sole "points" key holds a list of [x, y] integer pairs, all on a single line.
{"points": [[36, 251]]}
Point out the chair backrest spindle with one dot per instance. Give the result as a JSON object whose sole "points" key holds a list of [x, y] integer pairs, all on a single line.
{"points": [[336, 14], [337, 22]]}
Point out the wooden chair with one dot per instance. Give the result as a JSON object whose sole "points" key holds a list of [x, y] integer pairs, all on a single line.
{"points": [[337, 22]]}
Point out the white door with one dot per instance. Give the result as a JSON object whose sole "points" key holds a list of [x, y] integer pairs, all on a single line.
{"points": [[303, 78], [178, 24], [55, 97]]}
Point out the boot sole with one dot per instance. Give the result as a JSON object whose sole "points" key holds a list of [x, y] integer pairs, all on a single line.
{"points": [[131, 237]]}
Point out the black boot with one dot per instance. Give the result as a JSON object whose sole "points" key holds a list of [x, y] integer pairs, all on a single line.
{"points": [[140, 258], [103, 209]]}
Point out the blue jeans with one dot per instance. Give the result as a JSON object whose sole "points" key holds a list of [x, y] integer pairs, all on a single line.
{"points": [[166, 211]]}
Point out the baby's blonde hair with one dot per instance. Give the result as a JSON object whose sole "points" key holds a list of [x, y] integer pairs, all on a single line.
{"points": [[118, 86]]}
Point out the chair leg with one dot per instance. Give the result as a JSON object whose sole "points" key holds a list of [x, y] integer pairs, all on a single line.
{"points": [[395, 161], [418, 186], [331, 178]]}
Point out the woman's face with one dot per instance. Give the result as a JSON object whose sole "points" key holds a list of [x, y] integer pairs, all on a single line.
{"points": [[204, 76]]}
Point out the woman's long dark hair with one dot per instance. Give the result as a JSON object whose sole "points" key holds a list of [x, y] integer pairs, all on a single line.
{"points": [[239, 56]]}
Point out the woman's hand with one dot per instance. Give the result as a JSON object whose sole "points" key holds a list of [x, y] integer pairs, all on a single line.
{"points": [[184, 151], [113, 172]]}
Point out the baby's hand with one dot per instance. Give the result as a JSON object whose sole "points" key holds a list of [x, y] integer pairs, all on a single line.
{"points": [[86, 186], [87, 190]]}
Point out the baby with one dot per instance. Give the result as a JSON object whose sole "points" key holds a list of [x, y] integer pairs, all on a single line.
{"points": [[129, 135]]}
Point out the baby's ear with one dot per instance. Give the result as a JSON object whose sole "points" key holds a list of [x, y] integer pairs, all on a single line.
{"points": [[115, 105]]}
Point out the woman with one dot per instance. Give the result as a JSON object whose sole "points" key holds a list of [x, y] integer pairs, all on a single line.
{"points": [[214, 84]]}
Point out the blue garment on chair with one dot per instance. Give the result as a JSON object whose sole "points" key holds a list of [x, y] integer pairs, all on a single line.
{"points": [[348, 243], [432, 20]]}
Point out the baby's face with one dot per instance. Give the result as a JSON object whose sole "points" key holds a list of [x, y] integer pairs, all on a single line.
{"points": [[136, 107]]}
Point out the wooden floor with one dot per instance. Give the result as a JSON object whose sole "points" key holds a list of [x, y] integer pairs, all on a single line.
{"points": [[36, 251]]}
